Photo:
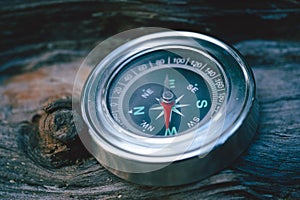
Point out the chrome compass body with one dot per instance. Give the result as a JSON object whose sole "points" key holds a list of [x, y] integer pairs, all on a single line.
{"points": [[168, 107]]}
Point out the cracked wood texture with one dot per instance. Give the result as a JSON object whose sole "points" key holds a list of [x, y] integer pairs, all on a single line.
{"points": [[42, 44]]}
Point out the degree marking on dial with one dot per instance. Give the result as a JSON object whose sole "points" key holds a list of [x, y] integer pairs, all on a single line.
{"points": [[216, 76], [201, 69], [122, 83], [133, 72], [150, 64], [187, 61]]}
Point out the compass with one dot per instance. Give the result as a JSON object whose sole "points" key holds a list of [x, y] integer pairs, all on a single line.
{"points": [[168, 107]]}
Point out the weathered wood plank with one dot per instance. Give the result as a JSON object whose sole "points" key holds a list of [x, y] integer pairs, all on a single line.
{"points": [[31, 28], [37, 69], [270, 168]]}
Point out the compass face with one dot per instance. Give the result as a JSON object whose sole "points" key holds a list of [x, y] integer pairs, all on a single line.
{"points": [[166, 92]]}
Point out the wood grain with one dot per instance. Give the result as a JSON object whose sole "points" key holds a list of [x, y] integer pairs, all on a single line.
{"points": [[44, 43]]}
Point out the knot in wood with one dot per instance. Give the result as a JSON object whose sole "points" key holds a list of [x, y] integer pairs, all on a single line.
{"points": [[57, 121], [58, 143]]}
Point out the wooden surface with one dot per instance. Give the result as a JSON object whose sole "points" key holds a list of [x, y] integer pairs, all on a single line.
{"points": [[42, 44]]}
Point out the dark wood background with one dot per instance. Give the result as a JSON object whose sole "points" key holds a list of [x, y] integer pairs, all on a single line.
{"points": [[42, 44]]}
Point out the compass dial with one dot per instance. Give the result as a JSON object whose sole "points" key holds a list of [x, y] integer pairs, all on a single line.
{"points": [[166, 93]]}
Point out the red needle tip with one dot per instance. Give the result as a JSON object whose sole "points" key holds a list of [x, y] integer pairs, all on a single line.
{"points": [[167, 112]]}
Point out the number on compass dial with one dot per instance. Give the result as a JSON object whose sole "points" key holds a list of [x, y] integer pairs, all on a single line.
{"points": [[162, 102]]}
